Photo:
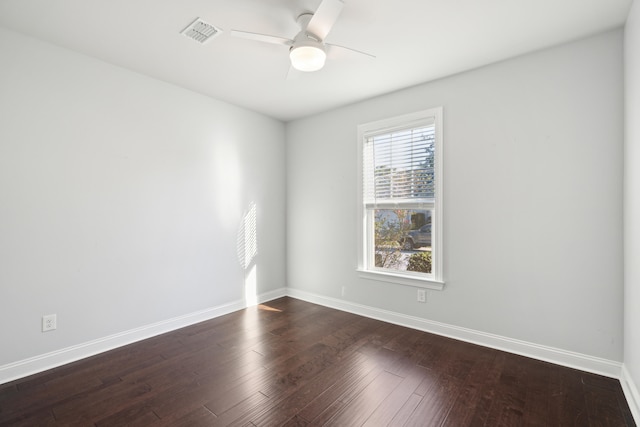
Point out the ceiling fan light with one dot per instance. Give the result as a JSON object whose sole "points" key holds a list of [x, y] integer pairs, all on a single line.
{"points": [[307, 58]]}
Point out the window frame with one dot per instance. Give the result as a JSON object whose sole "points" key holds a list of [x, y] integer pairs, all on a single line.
{"points": [[366, 265]]}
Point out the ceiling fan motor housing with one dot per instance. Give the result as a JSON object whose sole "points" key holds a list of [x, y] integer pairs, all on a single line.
{"points": [[307, 53]]}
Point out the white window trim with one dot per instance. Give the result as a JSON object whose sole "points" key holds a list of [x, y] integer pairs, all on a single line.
{"points": [[436, 281]]}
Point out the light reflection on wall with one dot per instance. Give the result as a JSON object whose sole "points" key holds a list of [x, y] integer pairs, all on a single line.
{"points": [[250, 286], [250, 236], [247, 253]]}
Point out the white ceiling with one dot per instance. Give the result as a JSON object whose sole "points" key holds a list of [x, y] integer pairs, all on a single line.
{"points": [[414, 41]]}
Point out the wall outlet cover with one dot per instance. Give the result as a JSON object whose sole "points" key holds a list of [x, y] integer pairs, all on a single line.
{"points": [[49, 322]]}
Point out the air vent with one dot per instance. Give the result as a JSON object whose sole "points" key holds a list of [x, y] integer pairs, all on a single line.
{"points": [[201, 31]]}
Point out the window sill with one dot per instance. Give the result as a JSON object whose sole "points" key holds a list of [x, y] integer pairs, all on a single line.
{"points": [[400, 279]]}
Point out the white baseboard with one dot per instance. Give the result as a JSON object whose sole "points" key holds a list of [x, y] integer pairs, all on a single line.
{"points": [[583, 362], [631, 393], [33, 365], [570, 359]]}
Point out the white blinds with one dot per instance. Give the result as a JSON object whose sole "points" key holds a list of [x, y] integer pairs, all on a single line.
{"points": [[399, 167]]}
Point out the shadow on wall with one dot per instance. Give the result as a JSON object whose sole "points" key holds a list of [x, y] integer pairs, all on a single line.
{"points": [[247, 242]]}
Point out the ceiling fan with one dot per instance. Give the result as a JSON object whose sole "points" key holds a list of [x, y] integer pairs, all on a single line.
{"points": [[307, 50]]}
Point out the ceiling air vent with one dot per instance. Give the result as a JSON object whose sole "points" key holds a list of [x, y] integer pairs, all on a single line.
{"points": [[201, 31]]}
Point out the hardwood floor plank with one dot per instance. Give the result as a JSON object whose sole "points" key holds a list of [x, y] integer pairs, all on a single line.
{"points": [[434, 408], [402, 416], [567, 403], [320, 411], [291, 363], [512, 390], [393, 403], [349, 372], [339, 373], [359, 409], [140, 415], [602, 407], [464, 411], [296, 422], [101, 403], [476, 394], [236, 412], [235, 365], [42, 417], [200, 417], [54, 391], [179, 400], [284, 393], [536, 408]]}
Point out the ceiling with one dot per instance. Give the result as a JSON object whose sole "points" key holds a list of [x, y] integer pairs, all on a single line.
{"points": [[414, 41]]}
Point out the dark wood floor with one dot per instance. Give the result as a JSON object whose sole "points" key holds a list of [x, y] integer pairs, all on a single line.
{"points": [[292, 363]]}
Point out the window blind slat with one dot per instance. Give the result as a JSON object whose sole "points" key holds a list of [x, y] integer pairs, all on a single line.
{"points": [[399, 166]]}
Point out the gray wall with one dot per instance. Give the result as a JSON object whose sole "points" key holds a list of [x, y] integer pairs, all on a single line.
{"points": [[632, 199], [122, 199], [532, 200]]}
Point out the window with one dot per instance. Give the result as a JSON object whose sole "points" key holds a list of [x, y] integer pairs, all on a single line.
{"points": [[400, 187]]}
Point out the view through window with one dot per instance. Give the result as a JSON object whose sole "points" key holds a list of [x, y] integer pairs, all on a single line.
{"points": [[400, 172]]}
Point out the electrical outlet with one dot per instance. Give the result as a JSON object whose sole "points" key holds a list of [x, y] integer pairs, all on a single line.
{"points": [[422, 295], [49, 322]]}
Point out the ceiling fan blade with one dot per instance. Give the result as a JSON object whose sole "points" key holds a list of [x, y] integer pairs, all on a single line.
{"points": [[348, 48], [325, 17], [262, 37]]}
